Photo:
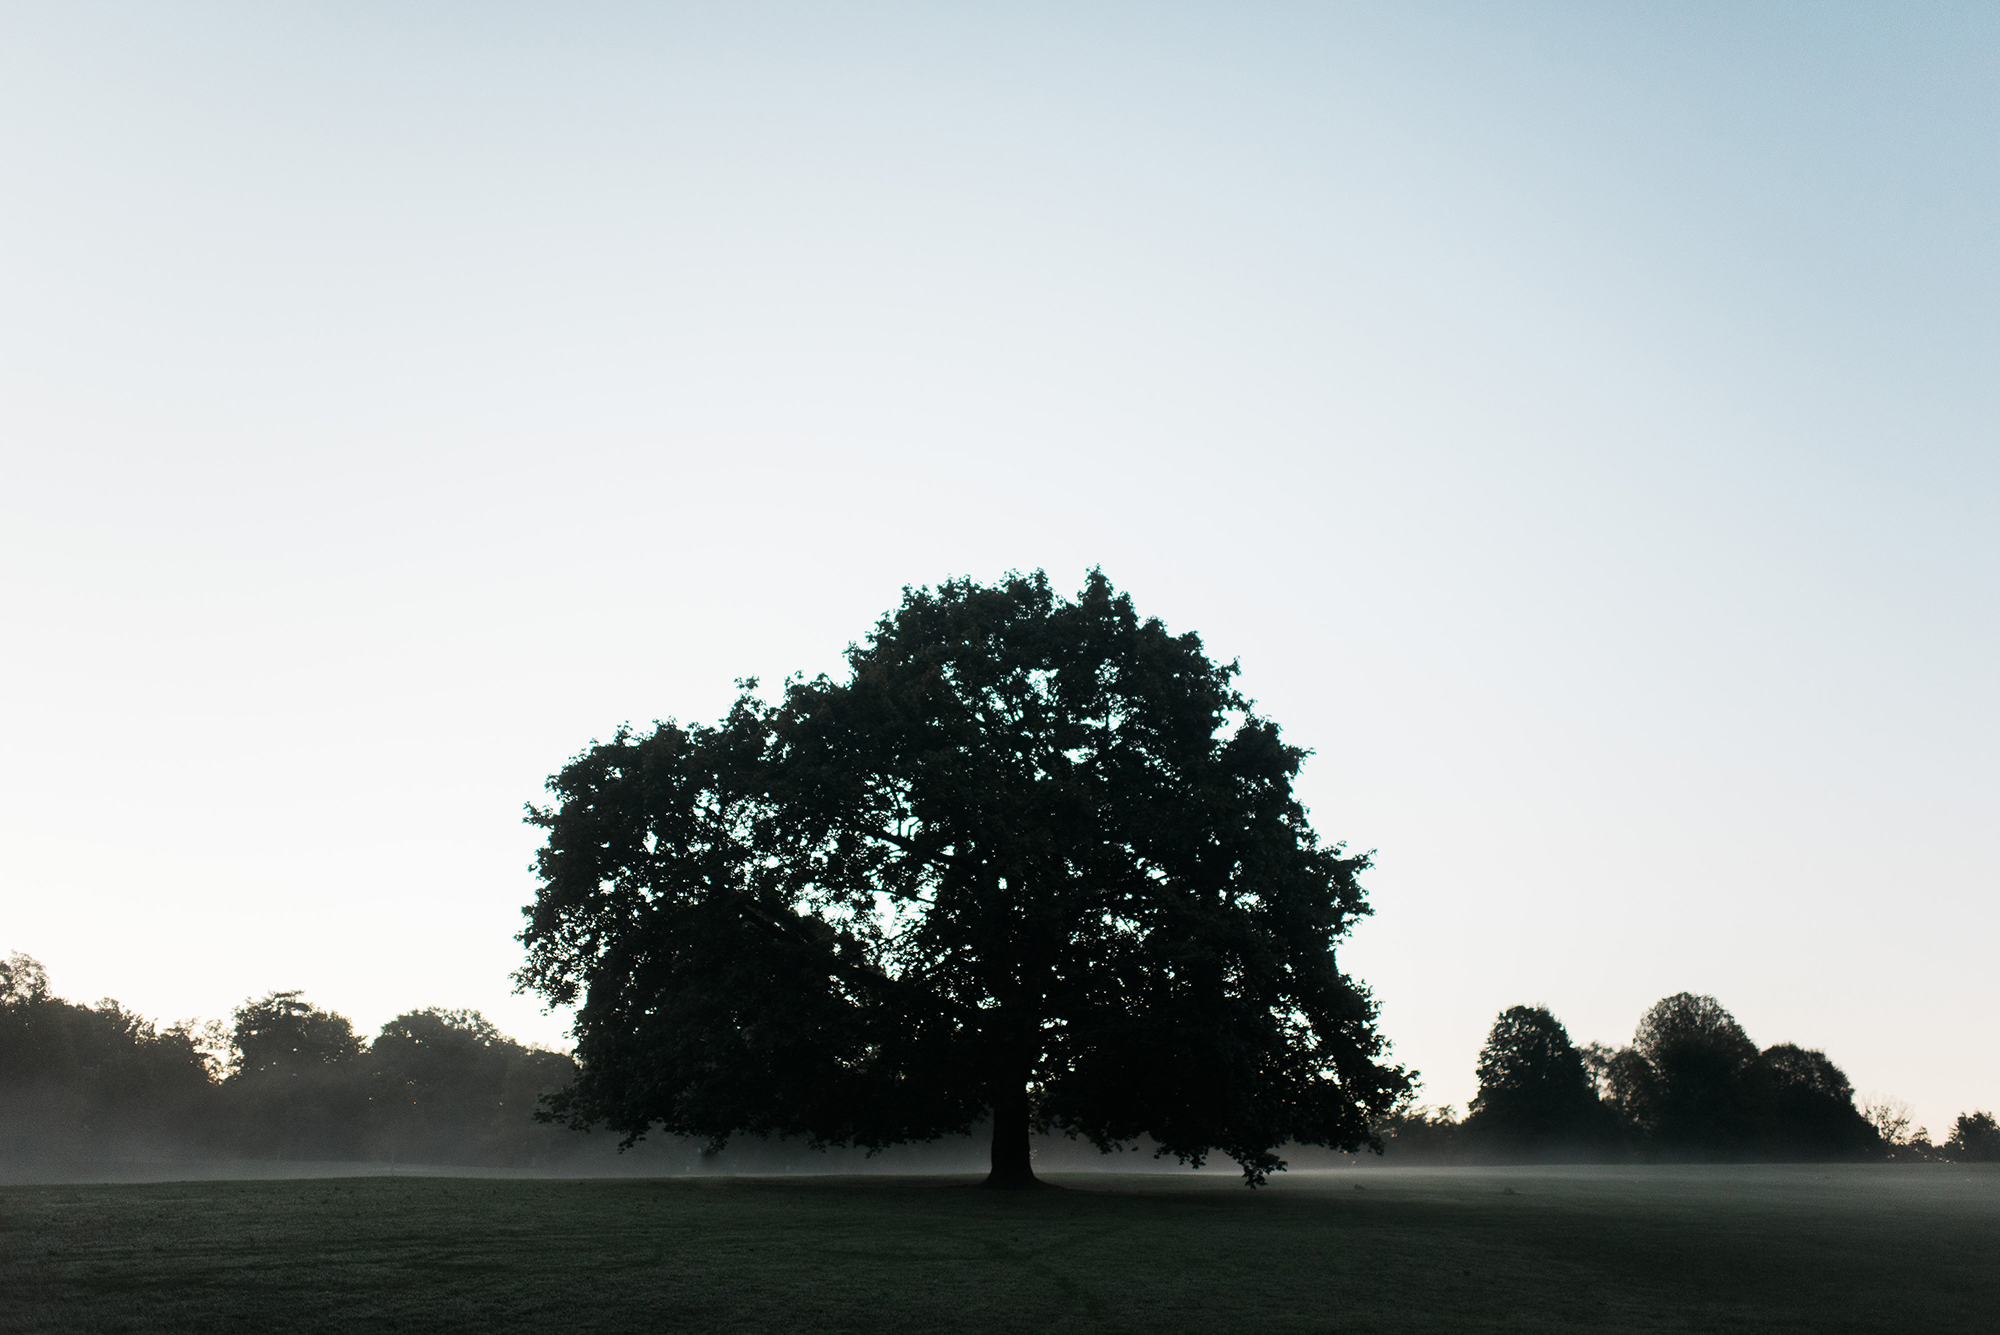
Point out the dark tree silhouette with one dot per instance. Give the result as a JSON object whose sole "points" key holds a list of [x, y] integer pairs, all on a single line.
{"points": [[1807, 1107], [447, 1087], [1536, 1093], [1975, 1138], [91, 1081], [1695, 1097], [1034, 859], [1693, 1085], [296, 1087], [284, 1032]]}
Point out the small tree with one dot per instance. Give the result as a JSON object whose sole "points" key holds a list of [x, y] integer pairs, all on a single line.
{"points": [[1890, 1117], [1033, 859]]}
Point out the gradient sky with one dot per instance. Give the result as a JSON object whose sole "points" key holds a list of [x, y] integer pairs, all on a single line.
{"points": [[1578, 419]]}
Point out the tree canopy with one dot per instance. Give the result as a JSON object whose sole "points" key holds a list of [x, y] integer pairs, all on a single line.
{"points": [[1033, 859], [285, 1032], [82, 1084], [1696, 1056], [1535, 1091], [1975, 1138]]}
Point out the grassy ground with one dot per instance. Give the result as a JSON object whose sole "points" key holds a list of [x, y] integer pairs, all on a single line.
{"points": [[1873, 1248]]}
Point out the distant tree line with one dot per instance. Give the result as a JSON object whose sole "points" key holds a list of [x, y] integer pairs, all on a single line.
{"points": [[1690, 1086], [283, 1079]]}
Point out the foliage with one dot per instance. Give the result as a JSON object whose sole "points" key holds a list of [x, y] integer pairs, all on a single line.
{"points": [[23, 981], [1806, 1107], [1691, 1096], [1975, 1138], [1890, 1117], [1536, 1092], [74, 1078], [447, 1086], [293, 1086], [1033, 859], [284, 1033], [1410, 1132], [82, 1083], [1691, 1085]]}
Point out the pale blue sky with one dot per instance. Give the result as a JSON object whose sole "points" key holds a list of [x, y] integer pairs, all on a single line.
{"points": [[1578, 419]]}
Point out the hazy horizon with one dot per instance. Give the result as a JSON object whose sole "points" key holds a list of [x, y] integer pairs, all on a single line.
{"points": [[1578, 423]]}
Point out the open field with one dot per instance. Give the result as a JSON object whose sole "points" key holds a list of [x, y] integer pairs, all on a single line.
{"points": [[1878, 1247]]}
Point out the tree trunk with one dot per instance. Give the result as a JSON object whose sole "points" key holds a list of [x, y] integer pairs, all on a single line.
{"points": [[1012, 1169]]}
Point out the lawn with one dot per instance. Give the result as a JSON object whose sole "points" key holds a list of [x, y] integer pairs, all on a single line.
{"points": [[1878, 1247]]}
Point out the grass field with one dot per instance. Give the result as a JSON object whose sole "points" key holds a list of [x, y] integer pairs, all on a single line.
{"points": [[1877, 1247]]}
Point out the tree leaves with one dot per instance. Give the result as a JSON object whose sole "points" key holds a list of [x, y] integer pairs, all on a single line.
{"points": [[1029, 846]]}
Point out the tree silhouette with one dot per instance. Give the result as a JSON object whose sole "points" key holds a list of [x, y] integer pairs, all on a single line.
{"points": [[1807, 1107], [1975, 1138], [284, 1032], [295, 1086], [1536, 1093], [78, 1081], [1697, 1100], [446, 1086], [1033, 859]]}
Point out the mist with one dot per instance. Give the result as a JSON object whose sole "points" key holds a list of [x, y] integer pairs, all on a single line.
{"points": [[286, 1088]]}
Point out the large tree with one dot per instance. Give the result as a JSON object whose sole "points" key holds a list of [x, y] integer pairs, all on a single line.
{"points": [[1033, 859]]}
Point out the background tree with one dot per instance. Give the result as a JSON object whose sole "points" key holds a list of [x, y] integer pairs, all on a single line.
{"points": [[93, 1082], [445, 1086], [1890, 1117], [86, 1086], [1693, 1085], [1034, 859], [1808, 1108], [294, 1088], [284, 1032], [1694, 1097], [1411, 1132], [1975, 1138], [1536, 1093]]}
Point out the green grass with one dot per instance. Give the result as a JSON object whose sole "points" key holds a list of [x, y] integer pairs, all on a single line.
{"points": [[1880, 1247]]}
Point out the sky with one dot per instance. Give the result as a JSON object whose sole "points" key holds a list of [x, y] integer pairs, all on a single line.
{"points": [[1578, 420]]}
